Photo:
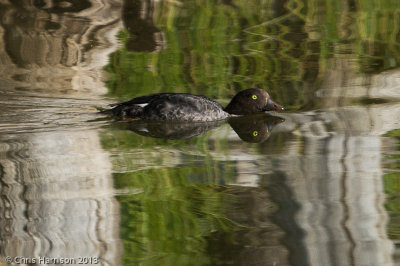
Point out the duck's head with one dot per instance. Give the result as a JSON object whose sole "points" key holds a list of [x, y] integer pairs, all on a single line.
{"points": [[252, 101]]}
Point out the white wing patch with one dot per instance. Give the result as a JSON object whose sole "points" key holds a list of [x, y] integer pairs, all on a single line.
{"points": [[142, 104], [143, 129]]}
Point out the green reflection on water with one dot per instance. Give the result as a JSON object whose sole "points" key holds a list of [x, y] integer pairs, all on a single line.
{"points": [[284, 48], [392, 186], [392, 190], [214, 51], [171, 205], [167, 223], [217, 49]]}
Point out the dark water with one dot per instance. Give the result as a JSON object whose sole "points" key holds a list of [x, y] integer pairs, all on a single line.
{"points": [[318, 184]]}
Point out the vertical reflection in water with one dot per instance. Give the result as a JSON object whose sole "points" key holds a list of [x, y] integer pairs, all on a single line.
{"points": [[285, 218], [56, 197], [144, 36], [56, 187], [337, 182], [45, 50], [258, 239], [327, 191]]}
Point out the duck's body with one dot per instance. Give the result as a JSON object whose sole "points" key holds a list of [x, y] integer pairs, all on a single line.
{"points": [[171, 106], [189, 107]]}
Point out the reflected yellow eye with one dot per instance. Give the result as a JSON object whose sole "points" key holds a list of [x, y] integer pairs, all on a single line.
{"points": [[254, 97], [255, 133]]}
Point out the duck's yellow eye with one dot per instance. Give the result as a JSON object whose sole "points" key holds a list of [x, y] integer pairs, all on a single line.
{"points": [[255, 133], [254, 97]]}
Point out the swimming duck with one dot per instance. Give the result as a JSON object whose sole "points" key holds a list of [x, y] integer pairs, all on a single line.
{"points": [[189, 107]]}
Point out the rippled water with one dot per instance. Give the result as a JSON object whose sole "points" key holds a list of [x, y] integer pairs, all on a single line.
{"points": [[317, 184]]}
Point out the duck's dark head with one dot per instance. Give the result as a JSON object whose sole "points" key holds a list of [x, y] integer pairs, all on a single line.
{"points": [[252, 101]]}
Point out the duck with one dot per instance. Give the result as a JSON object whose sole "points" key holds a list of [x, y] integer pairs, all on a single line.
{"points": [[190, 107]]}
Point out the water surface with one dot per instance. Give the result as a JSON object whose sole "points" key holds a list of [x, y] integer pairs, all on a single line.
{"points": [[317, 184]]}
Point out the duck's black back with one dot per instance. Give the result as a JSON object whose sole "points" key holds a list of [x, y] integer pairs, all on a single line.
{"points": [[183, 107], [173, 106]]}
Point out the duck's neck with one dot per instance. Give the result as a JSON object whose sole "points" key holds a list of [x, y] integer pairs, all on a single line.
{"points": [[232, 109]]}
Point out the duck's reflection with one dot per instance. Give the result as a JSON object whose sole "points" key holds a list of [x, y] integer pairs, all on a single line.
{"points": [[254, 128], [168, 129]]}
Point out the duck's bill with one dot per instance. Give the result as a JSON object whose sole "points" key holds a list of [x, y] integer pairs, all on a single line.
{"points": [[273, 106]]}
